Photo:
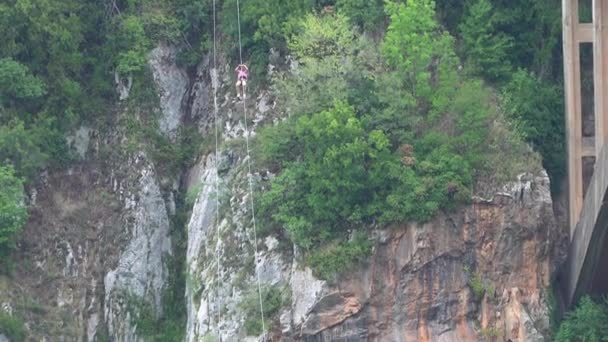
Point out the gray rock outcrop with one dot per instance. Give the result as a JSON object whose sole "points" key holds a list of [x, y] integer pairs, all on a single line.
{"points": [[172, 83]]}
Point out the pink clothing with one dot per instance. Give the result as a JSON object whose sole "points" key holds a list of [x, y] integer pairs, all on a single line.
{"points": [[242, 72]]}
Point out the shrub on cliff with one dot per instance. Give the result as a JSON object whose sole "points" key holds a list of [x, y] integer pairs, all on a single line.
{"points": [[412, 147], [13, 212], [338, 175], [536, 108], [12, 327], [588, 322]]}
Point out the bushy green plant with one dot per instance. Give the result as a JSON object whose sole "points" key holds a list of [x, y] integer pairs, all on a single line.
{"points": [[537, 109], [273, 298], [341, 176], [479, 287], [366, 14], [132, 44], [416, 47], [588, 322], [334, 184], [17, 82], [336, 259], [19, 148], [485, 49], [333, 64], [13, 212], [12, 327]]}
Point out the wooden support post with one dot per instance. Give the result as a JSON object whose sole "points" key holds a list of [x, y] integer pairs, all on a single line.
{"points": [[572, 81]]}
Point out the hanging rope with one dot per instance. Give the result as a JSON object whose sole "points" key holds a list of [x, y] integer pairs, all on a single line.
{"points": [[238, 19], [250, 178], [214, 81]]}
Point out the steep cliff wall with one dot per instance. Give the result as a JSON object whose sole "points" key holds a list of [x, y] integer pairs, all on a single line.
{"points": [[97, 245], [94, 253], [95, 239], [482, 271]]}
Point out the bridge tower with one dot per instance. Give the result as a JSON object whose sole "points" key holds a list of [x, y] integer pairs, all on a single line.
{"points": [[586, 114]]}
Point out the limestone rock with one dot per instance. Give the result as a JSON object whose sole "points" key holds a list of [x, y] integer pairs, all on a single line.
{"points": [[416, 285], [141, 272], [172, 84]]}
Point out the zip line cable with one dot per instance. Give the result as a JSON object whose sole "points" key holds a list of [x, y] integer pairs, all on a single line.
{"points": [[214, 81], [238, 19], [250, 177]]}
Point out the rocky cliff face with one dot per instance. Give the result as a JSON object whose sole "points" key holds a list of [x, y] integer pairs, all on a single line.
{"points": [[94, 241], [480, 272], [96, 247]]}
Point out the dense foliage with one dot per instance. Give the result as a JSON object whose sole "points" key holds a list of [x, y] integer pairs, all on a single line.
{"points": [[396, 109], [13, 212], [532, 105], [273, 298], [12, 327], [503, 40], [379, 138], [588, 322]]}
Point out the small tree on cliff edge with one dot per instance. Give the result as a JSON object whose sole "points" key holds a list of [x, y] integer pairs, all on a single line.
{"points": [[13, 212]]}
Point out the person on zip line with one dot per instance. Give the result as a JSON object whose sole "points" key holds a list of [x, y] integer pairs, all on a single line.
{"points": [[242, 73]]}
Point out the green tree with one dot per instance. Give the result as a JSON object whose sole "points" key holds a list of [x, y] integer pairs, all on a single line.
{"points": [[19, 147], [332, 64], [416, 47], [17, 83], [132, 44], [13, 212], [588, 322], [46, 36], [366, 14], [265, 25], [537, 109], [485, 49], [330, 186], [535, 28]]}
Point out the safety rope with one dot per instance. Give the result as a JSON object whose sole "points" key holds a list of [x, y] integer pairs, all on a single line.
{"points": [[238, 19], [250, 178], [214, 81]]}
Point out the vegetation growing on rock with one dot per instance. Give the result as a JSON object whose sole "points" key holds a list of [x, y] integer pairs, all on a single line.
{"points": [[13, 212], [395, 110], [588, 322], [12, 327], [379, 138]]}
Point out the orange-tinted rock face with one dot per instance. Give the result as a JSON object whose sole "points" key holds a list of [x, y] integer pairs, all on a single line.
{"points": [[418, 286]]}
